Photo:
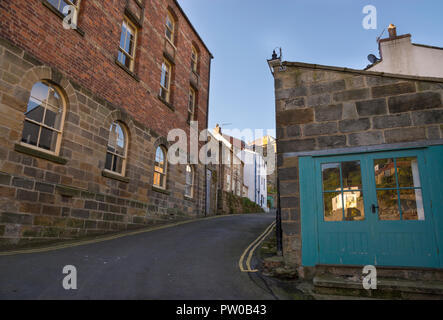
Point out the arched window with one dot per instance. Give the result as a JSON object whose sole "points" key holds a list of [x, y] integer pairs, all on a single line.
{"points": [[194, 59], [117, 149], [44, 118], [170, 27], [189, 184], [160, 168]]}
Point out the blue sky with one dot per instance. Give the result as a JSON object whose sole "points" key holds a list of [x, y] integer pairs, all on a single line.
{"points": [[241, 34]]}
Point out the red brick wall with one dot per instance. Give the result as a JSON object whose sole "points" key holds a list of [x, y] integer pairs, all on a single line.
{"points": [[90, 59]]}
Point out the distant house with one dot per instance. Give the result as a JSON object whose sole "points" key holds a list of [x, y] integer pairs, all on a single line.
{"points": [[400, 56]]}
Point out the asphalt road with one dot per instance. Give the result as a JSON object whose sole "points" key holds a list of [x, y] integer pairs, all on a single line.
{"points": [[194, 261]]}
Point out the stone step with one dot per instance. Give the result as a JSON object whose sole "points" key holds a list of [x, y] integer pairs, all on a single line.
{"points": [[425, 274], [387, 288]]}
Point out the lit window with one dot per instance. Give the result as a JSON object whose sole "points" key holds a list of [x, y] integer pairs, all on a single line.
{"points": [[165, 82], [61, 4], [160, 168], [126, 51], [117, 149], [170, 25], [194, 59], [44, 118], [192, 102], [189, 182]]}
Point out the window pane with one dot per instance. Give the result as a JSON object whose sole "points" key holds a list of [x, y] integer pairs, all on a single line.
{"points": [[351, 172], [54, 99], [118, 164], [331, 176], [117, 141], [385, 173], [30, 133], [108, 164], [354, 206], [37, 111], [48, 139], [123, 59], [388, 205], [411, 202], [333, 206], [53, 119], [123, 36], [407, 170]]}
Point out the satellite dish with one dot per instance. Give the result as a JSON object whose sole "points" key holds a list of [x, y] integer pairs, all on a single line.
{"points": [[372, 58]]}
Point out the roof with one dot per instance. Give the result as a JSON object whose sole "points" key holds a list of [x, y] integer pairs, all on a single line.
{"points": [[356, 71], [192, 27]]}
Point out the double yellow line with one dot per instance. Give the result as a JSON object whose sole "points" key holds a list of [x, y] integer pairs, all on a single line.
{"points": [[251, 249]]}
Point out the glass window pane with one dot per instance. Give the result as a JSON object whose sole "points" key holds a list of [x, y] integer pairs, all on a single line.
{"points": [[411, 202], [354, 206], [333, 206], [40, 91], [331, 176], [54, 99], [30, 133], [48, 139], [351, 172], [36, 113], [53, 119], [384, 170], [118, 164], [123, 36], [388, 205], [108, 164], [407, 170], [117, 139]]}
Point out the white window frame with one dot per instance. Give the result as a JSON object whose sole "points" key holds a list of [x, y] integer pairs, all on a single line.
{"points": [[131, 57], [59, 131]]}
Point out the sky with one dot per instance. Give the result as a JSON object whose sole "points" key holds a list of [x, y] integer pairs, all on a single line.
{"points": [[242, 34]]}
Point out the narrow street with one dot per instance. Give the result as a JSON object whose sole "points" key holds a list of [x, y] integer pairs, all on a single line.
{"points": [[198, 260]]}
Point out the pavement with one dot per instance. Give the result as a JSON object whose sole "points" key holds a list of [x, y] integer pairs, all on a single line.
{"points": [[193, 261]]}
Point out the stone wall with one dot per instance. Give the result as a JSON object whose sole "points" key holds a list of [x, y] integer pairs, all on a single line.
{"points": [[325, 108], [46, 197]]}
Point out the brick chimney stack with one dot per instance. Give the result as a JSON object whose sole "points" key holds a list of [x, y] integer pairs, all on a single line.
{"points": [[392, 31]]}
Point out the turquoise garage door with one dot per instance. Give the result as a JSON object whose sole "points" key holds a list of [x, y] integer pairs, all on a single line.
{"points": [[371, 209]]}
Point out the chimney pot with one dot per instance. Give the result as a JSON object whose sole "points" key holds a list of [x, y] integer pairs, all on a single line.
{"points": [[392, 31]]}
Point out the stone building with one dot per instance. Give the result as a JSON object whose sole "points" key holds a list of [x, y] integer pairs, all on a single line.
{"points": [[85, 113], [267, 146], [360, 162], [230, 170]]}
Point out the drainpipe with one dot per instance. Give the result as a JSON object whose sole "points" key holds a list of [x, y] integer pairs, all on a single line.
{"points": [[207, 124]]}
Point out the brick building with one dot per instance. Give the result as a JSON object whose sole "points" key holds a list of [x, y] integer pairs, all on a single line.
{"points": [[360, 167], [85, 114]]}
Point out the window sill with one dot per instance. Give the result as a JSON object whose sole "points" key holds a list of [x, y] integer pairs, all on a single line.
{"points": [[111, 175], [160, 190], [60, 15], [132, 74], [189, 198], [39, 154], [170, 106]]}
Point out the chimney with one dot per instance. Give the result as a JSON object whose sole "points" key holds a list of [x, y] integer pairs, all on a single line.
{"points": [[392, 31], [217, 129]]}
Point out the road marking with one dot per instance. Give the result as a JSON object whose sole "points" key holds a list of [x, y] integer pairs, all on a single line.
{"points": [[107, 238], [254, 244]]}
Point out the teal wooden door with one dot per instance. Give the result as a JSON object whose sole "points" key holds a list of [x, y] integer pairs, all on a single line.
{"points": [[374, 209]]}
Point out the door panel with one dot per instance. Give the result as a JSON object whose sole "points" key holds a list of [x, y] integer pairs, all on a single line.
{"points": [[374, 209]]}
